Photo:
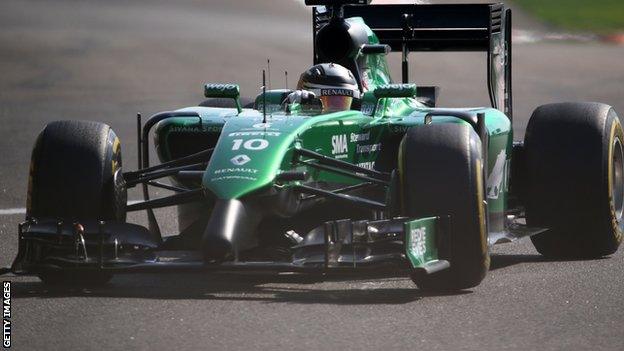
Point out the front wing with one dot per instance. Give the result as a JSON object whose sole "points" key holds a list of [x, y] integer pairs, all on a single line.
{"points": [[394, 245]]}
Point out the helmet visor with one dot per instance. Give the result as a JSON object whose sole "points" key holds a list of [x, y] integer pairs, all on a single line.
{"points": [[334, 103]]}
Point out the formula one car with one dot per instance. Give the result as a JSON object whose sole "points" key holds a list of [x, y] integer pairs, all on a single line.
{"points": [[392, 183]]}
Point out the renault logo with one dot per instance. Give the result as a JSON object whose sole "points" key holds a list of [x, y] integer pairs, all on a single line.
{"points": [[240, 160]]}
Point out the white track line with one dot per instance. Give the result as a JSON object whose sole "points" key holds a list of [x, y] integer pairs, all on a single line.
{"points": [[12, 211], [22, 210]]}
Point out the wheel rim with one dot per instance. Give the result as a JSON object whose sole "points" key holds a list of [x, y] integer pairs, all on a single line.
{"points": [[617, 179]]}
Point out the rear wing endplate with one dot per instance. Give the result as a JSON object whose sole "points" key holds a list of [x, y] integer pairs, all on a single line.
{"points": [[443, 27]]}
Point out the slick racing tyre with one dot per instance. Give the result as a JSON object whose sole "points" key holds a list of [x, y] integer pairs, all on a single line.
{"points": [[575, 168], [441, 173], [76, 175]]}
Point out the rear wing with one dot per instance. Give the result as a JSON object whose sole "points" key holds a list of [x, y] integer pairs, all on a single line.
{"points": [[442, 27]]}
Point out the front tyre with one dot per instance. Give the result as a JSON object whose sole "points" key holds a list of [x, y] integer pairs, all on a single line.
{"points": [[75, 175], [575, 164], [441, 173]]}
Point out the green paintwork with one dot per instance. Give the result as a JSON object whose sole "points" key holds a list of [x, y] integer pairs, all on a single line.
{"points": [[420, 241], [359, 134], [248, 154]]}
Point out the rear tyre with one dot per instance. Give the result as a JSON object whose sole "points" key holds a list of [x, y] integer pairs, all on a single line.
{"points": [[575, 164], [441, 173], [76, 175]]}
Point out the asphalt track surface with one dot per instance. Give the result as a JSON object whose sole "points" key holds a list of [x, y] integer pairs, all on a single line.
{"points": [[106, 60]]}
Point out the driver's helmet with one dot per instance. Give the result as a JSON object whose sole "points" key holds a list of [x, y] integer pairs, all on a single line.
{"points": [[333, 84]]}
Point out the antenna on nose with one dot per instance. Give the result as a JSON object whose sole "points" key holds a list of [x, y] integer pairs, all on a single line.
{"points": [[263, 96], [269, 71]]}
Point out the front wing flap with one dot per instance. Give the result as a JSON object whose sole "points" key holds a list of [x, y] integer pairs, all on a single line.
{"points": [[393, 245]]}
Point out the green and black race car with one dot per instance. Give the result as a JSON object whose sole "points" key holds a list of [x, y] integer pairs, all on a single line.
{"points": [[393, 183]]}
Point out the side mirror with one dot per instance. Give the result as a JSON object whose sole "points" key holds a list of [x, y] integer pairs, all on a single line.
{"points": [[375, 49], [227, 91], [395, 91]]}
